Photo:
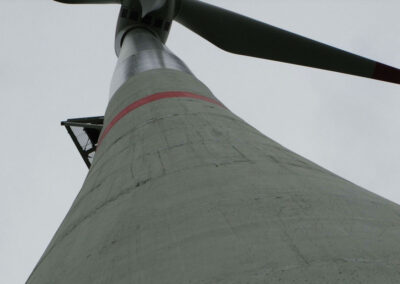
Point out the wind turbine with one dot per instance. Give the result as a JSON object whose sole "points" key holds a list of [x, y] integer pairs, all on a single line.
{"points": [[181, 190]]}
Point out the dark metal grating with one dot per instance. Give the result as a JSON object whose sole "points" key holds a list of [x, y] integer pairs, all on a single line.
{"points": [[85, 134]]}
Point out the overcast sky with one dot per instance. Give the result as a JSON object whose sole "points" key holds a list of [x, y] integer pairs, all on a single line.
{"points": [[56, 62]]}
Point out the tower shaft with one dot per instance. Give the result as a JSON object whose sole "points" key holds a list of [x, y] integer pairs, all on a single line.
{"points": [[182, 190]]}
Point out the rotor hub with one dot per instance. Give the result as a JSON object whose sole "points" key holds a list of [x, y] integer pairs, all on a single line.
{"points": [[153, 15]]}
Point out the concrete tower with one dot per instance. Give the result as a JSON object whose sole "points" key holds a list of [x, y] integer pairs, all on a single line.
{"points": [[181, 190]]}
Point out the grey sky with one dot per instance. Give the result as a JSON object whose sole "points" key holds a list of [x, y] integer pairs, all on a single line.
{"points": [[56, 62]]}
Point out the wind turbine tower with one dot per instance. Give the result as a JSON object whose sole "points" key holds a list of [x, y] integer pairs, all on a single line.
{"points": [[181, 190]]}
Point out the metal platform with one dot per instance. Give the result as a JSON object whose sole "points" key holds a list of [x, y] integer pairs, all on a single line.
{"points": [[85, 134]]}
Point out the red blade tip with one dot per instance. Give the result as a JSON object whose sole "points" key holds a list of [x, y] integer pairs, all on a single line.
{"points": [[386, 73]]}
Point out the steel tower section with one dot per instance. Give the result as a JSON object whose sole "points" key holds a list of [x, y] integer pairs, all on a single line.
{"points": [[181, 190]]}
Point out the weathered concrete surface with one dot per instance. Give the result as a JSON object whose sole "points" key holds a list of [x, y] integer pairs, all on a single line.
{"points": [[184, 191]]}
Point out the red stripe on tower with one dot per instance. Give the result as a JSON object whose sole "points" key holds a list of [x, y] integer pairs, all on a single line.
{"points": [[386, 73], [153, 98]]}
